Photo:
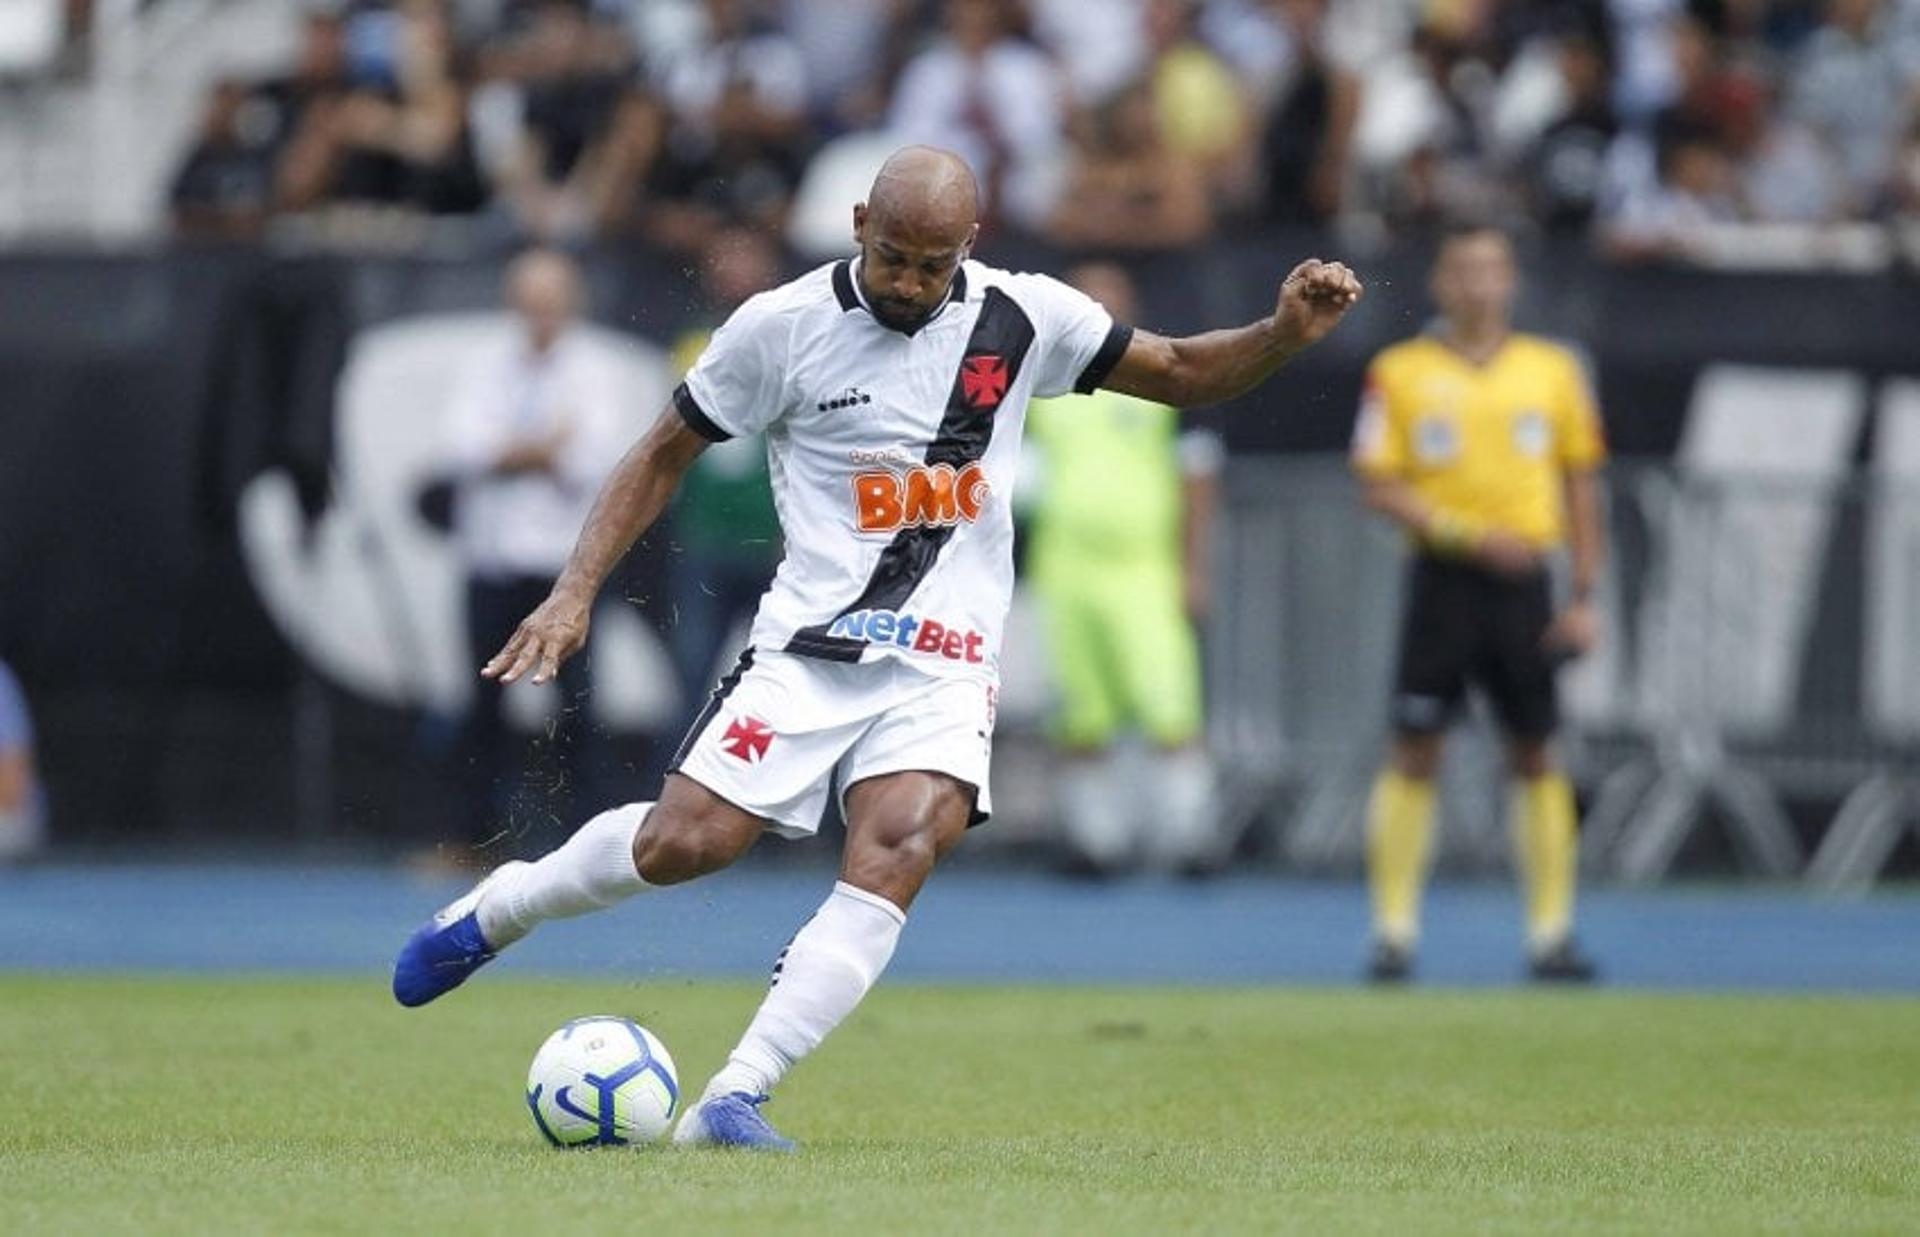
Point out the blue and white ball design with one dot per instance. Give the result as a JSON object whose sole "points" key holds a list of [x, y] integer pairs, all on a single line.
{"points": [[602, 1081]]}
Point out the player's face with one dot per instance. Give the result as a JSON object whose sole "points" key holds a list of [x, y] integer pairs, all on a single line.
{"points": [[1475, 277], [905, 273]]}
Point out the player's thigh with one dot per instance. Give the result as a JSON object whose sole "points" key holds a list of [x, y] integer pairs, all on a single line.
{"points": [[898, 826], [1439, 624], [1156, 655], [769, 736], [1516, 669], [1076, 623]]}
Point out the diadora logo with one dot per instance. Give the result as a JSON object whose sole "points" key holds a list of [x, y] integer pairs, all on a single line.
{"points": [[846, 399], [748, 739], [983, 380], [910, 632], [931, 495]]}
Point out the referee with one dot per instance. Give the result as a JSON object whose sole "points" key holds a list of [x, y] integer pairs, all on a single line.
{"points": [[1482, 443]]}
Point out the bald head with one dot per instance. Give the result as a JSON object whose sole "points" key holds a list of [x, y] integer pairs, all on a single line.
{"points": [[915, 228], [926, 188]]}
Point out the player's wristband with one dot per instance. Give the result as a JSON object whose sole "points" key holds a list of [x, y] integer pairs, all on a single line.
{"points": [[1449, 532]]}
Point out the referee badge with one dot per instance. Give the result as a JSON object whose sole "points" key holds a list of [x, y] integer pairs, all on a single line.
{"points": [[1435, 439], [1530, 433]]}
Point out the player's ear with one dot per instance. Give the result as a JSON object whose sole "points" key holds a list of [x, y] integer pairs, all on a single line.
{"points": [[860, 223], [973, 234]]}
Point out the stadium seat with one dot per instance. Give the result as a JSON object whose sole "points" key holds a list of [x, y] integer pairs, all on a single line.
{"points": [[1880, 810], [1760, 465]]}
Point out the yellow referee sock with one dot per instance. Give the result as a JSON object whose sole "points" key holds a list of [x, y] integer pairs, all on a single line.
{"points": [[1545, 842], [1399, 832]]}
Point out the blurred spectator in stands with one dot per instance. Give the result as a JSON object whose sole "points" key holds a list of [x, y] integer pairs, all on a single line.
{"points": [[571, 74], [1097, 59], [1784, 174], [1126, 189], [1852, 84], [1424, 135], [610, 189], [1121, 586], [850, 52], [1646, 77], [1695, 188], [1906, 173], [724, 524], [319, 75], [1309, 123], [224, 189], [532, 430], [1200, 105], [22, 804], [738, 141], [995, 99], [1564, 166], [398, 137], [1712, 88]]}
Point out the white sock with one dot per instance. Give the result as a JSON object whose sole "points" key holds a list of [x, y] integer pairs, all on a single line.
{"points": [[1094, 811], [817, 981], [592, 869], [1184, 827]]}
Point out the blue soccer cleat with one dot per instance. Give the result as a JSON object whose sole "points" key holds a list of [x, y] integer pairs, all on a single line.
{"points": [[445, 950], [731, 1120]]}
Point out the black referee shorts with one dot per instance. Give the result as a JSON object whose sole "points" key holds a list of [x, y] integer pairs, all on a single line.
{"points": [[1465, 626]]}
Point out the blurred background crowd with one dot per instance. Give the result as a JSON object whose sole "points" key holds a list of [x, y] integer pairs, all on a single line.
{"points": [[1116, 124], [252, 255]]}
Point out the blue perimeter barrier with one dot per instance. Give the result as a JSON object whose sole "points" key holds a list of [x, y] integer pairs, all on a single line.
{"points": [[970, 925]]}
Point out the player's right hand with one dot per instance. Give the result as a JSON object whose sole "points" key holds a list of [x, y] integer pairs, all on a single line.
{"points": [[1504, 554], [544, 639]]}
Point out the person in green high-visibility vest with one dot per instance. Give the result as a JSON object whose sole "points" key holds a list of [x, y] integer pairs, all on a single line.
{"points": [[1120, 517]]}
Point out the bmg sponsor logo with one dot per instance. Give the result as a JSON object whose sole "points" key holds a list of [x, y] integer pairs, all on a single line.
{"points": [[925, 496], [926, 636]]}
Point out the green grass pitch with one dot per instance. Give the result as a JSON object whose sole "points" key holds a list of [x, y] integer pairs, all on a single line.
{"points": [[156, 1105]]}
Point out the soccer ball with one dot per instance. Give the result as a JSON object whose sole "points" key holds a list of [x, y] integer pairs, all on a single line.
{"points": [[602, 1081]]}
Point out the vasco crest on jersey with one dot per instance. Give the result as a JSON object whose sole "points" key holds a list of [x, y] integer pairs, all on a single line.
{"points": [[983, 381]]}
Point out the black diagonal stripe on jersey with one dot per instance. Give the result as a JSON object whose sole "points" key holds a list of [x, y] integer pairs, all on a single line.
{"points": [[1004, 330]]}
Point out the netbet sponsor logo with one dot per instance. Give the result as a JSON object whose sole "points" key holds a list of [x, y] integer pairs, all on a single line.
{"points": [[911, 632], [927, 496]]}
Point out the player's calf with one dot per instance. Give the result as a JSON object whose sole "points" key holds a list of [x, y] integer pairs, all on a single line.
{"points": [[593, 869]]}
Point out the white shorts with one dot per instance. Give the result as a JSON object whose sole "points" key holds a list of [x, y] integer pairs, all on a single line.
{"points": [[780, 729]]}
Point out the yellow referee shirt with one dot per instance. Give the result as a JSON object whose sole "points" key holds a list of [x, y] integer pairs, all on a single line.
{"points": [[1488, 442]]}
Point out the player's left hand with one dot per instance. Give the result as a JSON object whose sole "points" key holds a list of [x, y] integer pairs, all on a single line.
{"points": [[1313, 298], [1574, 631]]}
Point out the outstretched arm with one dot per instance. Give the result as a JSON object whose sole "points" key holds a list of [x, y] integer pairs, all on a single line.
{"points": [[629, 502], [1205, 369]]}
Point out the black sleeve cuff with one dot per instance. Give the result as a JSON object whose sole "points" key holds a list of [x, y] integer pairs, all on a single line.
{"points": [[1112, 348], [696, 418]]}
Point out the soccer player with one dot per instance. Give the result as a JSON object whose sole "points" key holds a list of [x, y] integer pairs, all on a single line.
{"points": [[1118, 562], [1482, 443], [891, 388]]}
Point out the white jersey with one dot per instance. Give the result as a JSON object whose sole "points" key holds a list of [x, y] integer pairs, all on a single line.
{"points": [[894, 453]]}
